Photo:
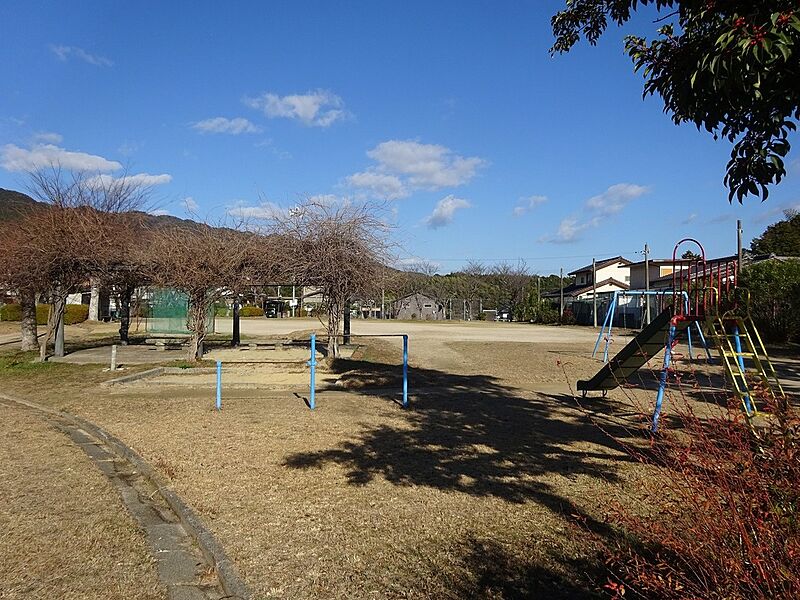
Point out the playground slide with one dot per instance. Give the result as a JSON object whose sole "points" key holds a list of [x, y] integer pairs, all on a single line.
{"points": [[649, 342]]}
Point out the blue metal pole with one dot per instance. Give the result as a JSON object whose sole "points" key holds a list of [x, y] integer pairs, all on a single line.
{"points": [[610, 325], [313, 364], [740, 360], [405, 371], [662, 380], [219, 385], [603, 328]]}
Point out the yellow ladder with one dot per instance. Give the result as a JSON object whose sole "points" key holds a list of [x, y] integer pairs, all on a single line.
{"points": [[752, 347]]}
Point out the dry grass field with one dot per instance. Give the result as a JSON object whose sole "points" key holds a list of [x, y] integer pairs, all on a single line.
{"points": [[485, 488], [65, 531]]}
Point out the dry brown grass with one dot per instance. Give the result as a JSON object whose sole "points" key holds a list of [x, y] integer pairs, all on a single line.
{"points": [[473, 493], [65, 532]]}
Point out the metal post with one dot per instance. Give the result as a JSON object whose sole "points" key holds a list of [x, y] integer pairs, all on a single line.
{"points": [[739, 244], [219, 385], [346, 336], [594, 290], [114, 357], [737, 341], [237, 338], [662, 380], [561, 314], [405, 371], [313, 364], [647, 283], [610, 326]]}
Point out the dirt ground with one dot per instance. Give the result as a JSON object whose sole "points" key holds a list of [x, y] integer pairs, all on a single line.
{"points": [[65, 531], [485, 488]]}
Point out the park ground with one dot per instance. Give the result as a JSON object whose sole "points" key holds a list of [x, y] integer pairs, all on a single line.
{"points": [[495, 483]]}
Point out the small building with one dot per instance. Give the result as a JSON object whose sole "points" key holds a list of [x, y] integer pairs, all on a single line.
{"points": [[418, 307]]}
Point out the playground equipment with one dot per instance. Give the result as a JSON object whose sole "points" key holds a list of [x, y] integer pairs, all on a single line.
{"points": [[312, 364], [608, 322], [704, 293]]}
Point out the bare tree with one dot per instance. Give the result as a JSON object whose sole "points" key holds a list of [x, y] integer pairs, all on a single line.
{"points": [[339, 248], [15, 277], [72, 234], [509, 282], [207, 263]]}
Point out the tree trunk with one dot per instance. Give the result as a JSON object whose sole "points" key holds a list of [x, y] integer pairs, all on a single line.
{"points": [[55, 325], [198, 306], [125, 314], [60, 306], [30, 334], [94, 300], [334, 317]]}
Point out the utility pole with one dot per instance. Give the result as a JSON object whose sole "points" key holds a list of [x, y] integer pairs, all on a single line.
{"points": [[562, 292], [647, 283], [538, 291], [739, 245], [594, 290]]}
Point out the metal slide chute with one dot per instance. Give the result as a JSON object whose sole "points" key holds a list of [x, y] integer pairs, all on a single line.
{"points": [[648, 342]]}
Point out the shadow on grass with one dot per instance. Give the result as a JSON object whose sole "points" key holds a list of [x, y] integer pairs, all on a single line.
{"points": [[493, 572], [473, 435]]}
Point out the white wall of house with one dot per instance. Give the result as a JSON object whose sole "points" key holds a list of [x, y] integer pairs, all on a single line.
{"points": [[609, 287], [618, 270]]}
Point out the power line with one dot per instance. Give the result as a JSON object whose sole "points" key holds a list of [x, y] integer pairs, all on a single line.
{"points": [[468, 259]]}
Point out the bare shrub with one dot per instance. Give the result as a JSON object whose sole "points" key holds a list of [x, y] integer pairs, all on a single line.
{"points": [[727, 507]]}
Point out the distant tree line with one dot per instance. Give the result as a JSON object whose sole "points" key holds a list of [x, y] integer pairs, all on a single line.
{"points": [[465, 293]]}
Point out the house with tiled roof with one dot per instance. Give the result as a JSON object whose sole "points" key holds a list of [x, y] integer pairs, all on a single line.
{"points": [[612, 274]]}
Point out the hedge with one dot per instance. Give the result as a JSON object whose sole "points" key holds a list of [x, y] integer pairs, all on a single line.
{"points": [[251, 311], [74, 313]]}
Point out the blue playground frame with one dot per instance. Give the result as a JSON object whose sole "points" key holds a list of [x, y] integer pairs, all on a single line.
{"points": [[608, 322]]}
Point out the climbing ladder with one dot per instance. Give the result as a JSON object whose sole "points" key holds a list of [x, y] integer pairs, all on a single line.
{"points": [[737, 339]]}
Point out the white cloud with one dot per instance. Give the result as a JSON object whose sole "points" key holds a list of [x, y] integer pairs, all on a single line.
{"points": [[190, 205], [776, 212], [527, 204], [64, 53], [378, 184], [317, 108], [615, 198], [596, 210], [140, 179], [234, 126], [690, 219], [403, 166], [48, 137], [265, 210], [161, 212], [445, 211], [14, 158]]}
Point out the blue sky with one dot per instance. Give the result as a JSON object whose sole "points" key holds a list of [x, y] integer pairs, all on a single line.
{"points": [[483, 145]]}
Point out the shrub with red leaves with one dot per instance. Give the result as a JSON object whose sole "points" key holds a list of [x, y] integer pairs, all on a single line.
{"points": [[728, 511]]}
